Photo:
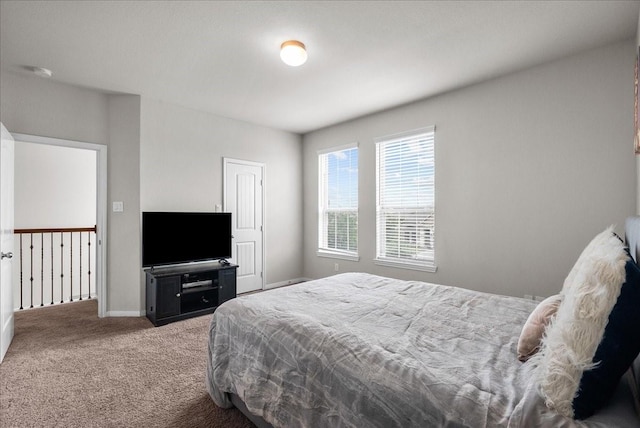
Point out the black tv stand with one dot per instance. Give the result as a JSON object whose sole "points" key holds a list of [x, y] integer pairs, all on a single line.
{"points": [[184, 291]]}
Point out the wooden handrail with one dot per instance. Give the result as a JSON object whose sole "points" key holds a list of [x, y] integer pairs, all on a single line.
{"points": [[56, 230]]}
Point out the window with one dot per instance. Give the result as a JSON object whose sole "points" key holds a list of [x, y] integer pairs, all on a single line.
{"points": [[405, 210], [338, 202]]}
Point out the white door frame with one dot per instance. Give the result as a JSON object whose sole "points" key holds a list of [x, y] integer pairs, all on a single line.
{"points": [[262, 167], [101, 207]]}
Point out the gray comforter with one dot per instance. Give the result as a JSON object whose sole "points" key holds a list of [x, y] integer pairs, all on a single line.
{"points": [[359, 350]]}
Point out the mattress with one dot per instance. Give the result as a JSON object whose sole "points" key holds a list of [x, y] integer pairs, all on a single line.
{"points": [[357, 350]]}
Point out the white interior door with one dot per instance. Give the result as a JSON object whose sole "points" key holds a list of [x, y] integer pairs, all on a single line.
{"points": [[6, 240], [243, 198]]}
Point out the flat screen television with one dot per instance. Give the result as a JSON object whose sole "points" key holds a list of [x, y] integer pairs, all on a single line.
{"points": [[183, 237]]}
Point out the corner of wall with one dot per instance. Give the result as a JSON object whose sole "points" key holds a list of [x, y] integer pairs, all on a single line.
{"points": [[125, 289]]}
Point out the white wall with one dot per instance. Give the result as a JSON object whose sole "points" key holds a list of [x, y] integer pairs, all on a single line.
{"points": [[181, 169], [529, 167], [54, 186]]}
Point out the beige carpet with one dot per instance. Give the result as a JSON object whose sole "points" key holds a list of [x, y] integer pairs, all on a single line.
{"points": [[68, 368]]}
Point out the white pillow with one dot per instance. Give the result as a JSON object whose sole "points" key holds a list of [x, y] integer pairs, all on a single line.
{"points": [[572, 338], [533, 329]]}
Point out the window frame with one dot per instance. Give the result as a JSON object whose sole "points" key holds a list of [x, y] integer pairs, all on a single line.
{"points": [[425, 264], [322, 209]]}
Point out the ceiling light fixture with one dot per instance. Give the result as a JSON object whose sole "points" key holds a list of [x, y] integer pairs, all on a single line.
{"points": [[42, 72], [293, 53]]}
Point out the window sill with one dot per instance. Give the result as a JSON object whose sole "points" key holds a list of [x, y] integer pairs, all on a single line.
{"points": [[341, 256], [425, 267]]}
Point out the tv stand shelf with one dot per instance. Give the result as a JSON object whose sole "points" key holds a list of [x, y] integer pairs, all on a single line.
{"points": [[184, 291]]}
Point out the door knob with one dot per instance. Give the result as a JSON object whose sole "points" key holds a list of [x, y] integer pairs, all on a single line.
{"points": [[8, 255]]}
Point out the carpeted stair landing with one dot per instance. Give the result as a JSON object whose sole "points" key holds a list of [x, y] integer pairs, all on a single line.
{"points": [[66, 367]]}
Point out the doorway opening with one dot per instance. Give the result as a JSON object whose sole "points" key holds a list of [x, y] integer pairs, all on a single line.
{"points": [[60, 222]]}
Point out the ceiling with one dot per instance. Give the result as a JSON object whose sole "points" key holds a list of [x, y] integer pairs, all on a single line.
{"points": [[223, 57]]}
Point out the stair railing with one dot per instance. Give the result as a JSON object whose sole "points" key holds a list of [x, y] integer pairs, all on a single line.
{"points": [[54, 246]]}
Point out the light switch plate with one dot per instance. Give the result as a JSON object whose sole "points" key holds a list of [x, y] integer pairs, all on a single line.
{"points": [[118, 207]]}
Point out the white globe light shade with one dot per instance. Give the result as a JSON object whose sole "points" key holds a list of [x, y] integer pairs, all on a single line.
{"points": [[293, 53]]}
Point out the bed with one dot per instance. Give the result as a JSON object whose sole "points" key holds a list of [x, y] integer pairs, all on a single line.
{"points": [[356, 350]]}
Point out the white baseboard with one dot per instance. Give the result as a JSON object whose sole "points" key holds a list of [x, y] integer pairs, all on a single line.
{"points": [[125, 314], [283, 283]]}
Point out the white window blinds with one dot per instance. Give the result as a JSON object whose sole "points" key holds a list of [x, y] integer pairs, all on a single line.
{"points": [[405, 211], [338, 201]]}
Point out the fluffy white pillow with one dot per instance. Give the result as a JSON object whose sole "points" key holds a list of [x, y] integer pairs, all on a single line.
{"points": [[572, 338]]}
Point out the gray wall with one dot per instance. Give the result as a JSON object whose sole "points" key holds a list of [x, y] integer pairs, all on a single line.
{"points": [[35, 106], [637, 156], [30, 105], [126, 294], [181, 169], [162, 156], [529, 167]]}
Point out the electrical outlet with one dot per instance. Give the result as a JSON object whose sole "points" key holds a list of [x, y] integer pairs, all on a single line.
{"points": [[336, 267]]}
